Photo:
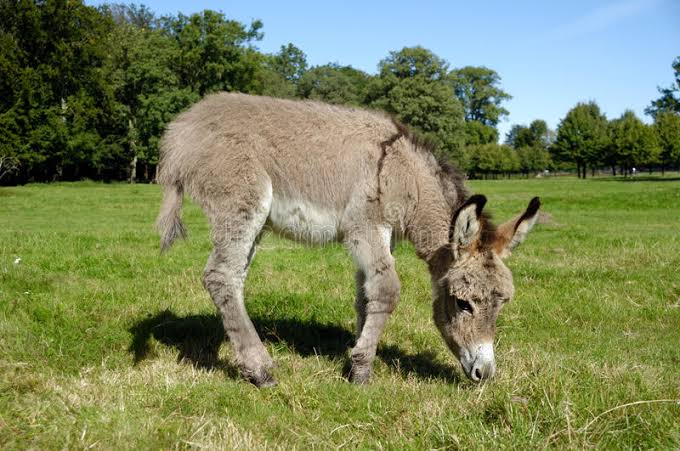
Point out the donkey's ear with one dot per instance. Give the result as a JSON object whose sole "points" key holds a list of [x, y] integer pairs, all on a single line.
{"points": [[466, 225], [512, 233]]}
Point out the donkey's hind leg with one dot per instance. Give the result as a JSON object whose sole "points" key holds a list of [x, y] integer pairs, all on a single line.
{"points": [[235, 234]]}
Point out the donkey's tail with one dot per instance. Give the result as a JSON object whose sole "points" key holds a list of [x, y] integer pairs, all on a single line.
{"points": [[169, 222]]}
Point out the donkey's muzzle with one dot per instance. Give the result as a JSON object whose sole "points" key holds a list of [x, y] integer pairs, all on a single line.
{"points": [[481, 364]]}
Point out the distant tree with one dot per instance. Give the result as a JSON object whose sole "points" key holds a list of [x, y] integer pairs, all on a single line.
{"points": [[268, 82], [290, 62], [215, 53], [519, 136], [491, 159], [536, 134], [139, 16], [412, 85], [56, 107], [667, 127], [478, 91], [582, 136], [478, 133], [633, 143], [411, 62], [670, 97], [334, 84], [533, 159], [148, 92]]}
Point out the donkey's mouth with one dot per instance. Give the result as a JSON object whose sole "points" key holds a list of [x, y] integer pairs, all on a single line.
{"points": [[480, 363]]}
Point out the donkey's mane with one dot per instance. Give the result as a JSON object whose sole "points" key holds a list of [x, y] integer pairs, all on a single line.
{"points": [[448, 173], [451, 178]]}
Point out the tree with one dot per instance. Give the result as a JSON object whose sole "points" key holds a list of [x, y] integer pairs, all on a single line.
{"points": [[536, 134], [670, 97], [214, 52], [334, 84], [146, 88], [412, 62], [478, 133], [633, 143], [582, 136], [290, 63], [667, 127], [533, 159], [491, 159], [56, 101], [412, 85], [478, 91]]}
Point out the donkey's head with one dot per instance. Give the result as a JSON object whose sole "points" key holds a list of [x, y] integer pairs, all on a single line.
{"points": [[471, 283]]}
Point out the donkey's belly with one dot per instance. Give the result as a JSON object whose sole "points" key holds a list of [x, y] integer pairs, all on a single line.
{"points": [[303, 221]]}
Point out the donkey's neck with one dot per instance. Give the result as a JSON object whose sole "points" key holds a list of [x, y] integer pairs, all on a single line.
{"points": [[428, 227]]}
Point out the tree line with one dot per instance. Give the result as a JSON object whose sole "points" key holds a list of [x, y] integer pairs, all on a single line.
{"points": [[86, 92]]}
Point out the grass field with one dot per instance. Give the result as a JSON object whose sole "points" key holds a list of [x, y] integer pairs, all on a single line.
{"points": [[105, 344]]}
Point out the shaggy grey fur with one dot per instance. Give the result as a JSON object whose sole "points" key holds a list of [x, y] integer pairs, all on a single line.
{"points": [[317, 173]]}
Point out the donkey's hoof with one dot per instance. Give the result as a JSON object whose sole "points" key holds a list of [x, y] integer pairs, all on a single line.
{"points": [[261, 379], [360, 375]]}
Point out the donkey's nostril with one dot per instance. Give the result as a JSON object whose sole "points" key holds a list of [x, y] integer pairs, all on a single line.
{"points": [[478, 373]]}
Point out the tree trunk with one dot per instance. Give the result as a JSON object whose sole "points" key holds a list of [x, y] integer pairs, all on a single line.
{"points": [[592, 171], [585, 171], [133, 170], [614, 170], [132, 142]]}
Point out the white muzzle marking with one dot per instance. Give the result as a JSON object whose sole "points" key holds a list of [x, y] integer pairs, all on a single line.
{"points": [[479, 362]]}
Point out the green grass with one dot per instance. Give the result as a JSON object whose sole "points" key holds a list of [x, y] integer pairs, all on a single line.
{"points": [[104, 343]]}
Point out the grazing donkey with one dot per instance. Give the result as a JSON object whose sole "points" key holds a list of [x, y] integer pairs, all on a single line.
{"points": [[316, 173]]}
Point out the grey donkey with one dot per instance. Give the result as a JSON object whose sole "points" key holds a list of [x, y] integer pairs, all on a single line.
{"points": [[317, 173]]}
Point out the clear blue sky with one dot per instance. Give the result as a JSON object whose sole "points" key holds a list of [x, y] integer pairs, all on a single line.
{"points": [[549, 54]]}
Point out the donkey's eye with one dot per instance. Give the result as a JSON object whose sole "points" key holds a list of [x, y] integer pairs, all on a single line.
{"points": [[464, 305]]}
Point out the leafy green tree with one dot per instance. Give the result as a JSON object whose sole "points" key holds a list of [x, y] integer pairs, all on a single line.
{"points": [[139, 16], [670, 97], [667, 127], [411, 62], [491, 159], [54, 69], [268, 82], [215, 54], [633, 143], [519, 136], [412, 85], [334, 84], [582, 136], [478, 90], [478, 133], [533, 159], [290, 62], [146, 88], [536, 134]]}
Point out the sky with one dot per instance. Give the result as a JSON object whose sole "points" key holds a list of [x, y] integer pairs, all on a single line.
{"points": [[549, 54]]}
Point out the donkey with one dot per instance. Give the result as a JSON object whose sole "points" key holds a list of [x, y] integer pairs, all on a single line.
{"points": [[318, 173]]}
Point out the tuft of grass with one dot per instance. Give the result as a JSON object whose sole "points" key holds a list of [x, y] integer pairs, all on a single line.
{"points": [[107, 344]]}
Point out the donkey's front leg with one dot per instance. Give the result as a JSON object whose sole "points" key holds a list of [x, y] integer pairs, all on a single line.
{"points": [[380, 292]]}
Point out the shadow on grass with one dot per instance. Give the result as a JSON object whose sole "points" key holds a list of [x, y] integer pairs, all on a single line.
{"points": [[198, 338]]}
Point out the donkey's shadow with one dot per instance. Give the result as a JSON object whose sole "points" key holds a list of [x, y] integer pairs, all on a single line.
{"points": [[198, 338]]}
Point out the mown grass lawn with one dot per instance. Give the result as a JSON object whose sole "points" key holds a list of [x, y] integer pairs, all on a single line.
{"points": [[106, 344]]}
